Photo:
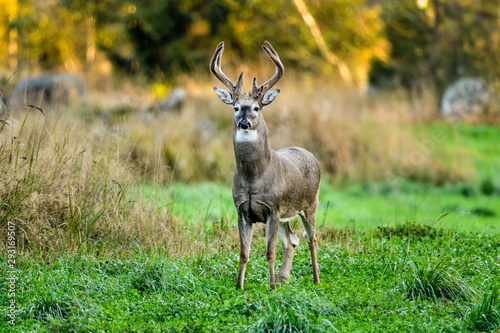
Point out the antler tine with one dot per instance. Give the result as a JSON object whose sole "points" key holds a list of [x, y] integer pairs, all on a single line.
{"points": [[215, 68], [255, 87], [238, 88], [270, 47], [271, 53]]}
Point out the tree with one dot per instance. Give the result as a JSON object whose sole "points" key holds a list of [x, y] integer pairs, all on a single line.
{"points": [[440, 40], [168, 37], [8, 32], [173, 36]]}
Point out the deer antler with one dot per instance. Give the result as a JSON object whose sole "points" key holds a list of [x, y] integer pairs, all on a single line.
{"points": [[215, 68], [276, 77]]}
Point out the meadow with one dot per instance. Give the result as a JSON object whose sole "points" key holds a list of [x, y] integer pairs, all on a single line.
{"points": [[408, 279], [123, 219]]}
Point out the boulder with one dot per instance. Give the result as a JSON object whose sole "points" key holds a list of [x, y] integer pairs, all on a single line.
{"points": [[48, 90], [174, 101], [467, 96]]}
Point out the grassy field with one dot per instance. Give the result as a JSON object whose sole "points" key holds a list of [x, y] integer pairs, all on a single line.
{"points": [[473, 206], [357, 207], [128, 224], [405, 279]]}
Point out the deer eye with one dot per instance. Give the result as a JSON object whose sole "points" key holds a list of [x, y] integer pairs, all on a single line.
{"points": [[256, 108], [236, 108]]}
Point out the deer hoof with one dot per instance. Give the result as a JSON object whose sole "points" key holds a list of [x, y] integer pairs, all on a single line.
{"points": [[282, 278]]}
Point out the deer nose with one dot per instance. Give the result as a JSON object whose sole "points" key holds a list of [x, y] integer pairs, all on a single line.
{"points": [[244, 124]]}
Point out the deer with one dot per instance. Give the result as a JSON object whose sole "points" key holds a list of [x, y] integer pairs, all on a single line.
{"points": [[270, 187]]}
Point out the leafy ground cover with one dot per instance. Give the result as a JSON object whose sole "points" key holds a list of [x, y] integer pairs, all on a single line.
{"points": [[370, 281]]}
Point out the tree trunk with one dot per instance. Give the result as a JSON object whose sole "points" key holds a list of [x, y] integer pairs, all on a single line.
{"points": [[344, 71]]}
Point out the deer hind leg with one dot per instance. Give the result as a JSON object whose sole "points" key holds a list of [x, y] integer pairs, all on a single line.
{"points": [[289, 241], [309, 220], [272, 227], [245, 230]]}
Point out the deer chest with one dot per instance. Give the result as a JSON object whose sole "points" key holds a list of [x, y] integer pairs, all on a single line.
{"points": [[252, 206]]}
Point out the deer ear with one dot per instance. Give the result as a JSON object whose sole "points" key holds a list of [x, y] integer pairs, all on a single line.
{"points": [[224, 95], [269, 96]]}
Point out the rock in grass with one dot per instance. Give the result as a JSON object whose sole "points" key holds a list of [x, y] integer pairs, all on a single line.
{"points": [[48, 91], [174, 101], [467, 96]]}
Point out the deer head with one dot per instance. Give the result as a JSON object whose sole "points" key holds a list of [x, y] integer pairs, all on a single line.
{"points": [[247, 107]]}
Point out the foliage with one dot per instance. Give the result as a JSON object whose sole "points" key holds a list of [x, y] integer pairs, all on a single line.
{"points": [[406, 43], [409, 33], [162, 39], [432, 39], [179, 43], [186, 40], [58, 35]]}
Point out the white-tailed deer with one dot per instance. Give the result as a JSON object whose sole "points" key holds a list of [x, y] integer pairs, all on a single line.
{"points": [[268, 186]]}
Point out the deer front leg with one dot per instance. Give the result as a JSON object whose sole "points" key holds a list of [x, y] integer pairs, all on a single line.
{"points": [[289, 241], [245, 230], [272, 226]]}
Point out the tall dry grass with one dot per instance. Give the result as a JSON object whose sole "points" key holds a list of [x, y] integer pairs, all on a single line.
{"points": [[68, 187], [355, 136], [71, 180]]}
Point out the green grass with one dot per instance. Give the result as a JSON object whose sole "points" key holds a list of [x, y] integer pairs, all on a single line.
{"points": [[460, 207], [477, 144], [362, 289], [437, 280], [457, 207], [485, 316]]}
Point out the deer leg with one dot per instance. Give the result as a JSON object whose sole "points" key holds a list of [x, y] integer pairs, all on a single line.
{"points": [[272, 226], [245, 230], [309, 220], [289, 241]]}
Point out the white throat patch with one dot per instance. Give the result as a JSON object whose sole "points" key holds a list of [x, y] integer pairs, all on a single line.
{"points": [[245, 135]]}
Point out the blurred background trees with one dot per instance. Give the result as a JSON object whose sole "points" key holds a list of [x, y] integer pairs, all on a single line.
{"points": [[388, 43], [440, 40]]}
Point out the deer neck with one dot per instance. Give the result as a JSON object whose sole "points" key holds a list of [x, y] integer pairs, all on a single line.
{"points": [[252, 152]]}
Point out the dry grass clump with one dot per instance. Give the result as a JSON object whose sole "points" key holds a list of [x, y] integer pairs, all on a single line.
{"points": [[57, 187], [66, 188], [366, 138], [192, 145]]}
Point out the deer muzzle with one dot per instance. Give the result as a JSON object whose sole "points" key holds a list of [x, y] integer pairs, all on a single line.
{"points": [[244, 124]]}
